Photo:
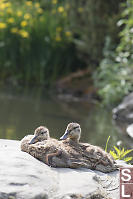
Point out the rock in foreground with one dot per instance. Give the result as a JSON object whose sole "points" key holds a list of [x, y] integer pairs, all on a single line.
{"points": [[22, 176]]}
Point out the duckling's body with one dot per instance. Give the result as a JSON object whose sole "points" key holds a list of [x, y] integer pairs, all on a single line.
{"points": [[95, 156], [24, 145], [51, 151], [65, 154]]}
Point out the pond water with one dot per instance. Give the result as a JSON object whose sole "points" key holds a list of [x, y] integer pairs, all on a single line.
{"points": [[21, 113]]}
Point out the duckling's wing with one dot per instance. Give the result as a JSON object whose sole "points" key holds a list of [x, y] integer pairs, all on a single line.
{"points": [[24, 143]]}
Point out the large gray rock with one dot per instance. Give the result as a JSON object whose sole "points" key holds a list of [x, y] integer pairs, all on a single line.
{"points": [[130, 130], [123, 116], [123, 113], [24, 177]]}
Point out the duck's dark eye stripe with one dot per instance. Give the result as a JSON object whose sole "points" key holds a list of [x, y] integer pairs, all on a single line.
{"points": [[43, 132], [74, 128]]}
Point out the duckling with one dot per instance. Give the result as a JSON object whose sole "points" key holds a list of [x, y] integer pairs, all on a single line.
{"points": [[41, 133], [97, 156], [33, 143]]}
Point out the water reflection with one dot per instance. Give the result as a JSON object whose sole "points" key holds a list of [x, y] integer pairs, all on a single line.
{"points": [[21, 113]]}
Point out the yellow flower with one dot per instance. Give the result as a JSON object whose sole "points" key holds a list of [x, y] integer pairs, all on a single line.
{"points": [[28, 3], [8, 4], [80, 9], [10, 20], [58, 38], [2, 6], [14, 30], [60, 9], [54, 1], [24, 33], [40, 10], [27, 16], [9, 11], [37, 5], [19, 13], [2, 25], [59, 29], [23, 23], [68, 33]]}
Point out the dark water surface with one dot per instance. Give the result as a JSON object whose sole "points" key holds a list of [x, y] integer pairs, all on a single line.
{"points": [[21, 113]]}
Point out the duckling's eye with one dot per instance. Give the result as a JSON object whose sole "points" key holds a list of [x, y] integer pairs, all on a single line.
{"points": [[43, 132], [74, 128]]}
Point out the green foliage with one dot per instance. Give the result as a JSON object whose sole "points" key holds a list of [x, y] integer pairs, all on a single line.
{"points": [[35, 42], [107, 144], [40, 38], [91, 21], [114, 76], [125, 49], [120, 154]]}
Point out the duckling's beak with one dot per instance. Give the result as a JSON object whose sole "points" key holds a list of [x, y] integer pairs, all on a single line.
{"points": [[33, 140], [65, 136]]}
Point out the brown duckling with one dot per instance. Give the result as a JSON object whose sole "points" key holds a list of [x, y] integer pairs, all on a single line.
{"points": [[40, 145], [40, 134], [95, 154]]}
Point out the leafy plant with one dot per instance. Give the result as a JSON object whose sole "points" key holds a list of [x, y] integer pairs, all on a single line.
{"points": [[114, 75], [35, 42], [107, 143], [113, 78], [118, 153], [91, 22], [41, 41]]}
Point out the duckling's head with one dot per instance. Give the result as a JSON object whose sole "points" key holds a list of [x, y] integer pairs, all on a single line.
{"points": [[73, 132], [40, 134]]}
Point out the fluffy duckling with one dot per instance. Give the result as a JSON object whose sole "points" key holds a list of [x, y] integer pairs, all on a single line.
{"points": [[40, 145], [94, 153], [40, 134]]}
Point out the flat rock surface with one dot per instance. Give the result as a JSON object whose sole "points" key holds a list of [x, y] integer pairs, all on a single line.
{"points": [[24, 177]]}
